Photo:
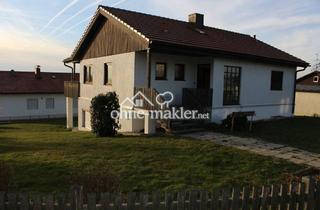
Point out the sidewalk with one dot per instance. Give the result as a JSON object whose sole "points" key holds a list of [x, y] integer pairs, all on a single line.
{"points": [[261, 147]]}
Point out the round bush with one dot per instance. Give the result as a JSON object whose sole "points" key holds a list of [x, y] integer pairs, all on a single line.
{"points": [[102, 123]]}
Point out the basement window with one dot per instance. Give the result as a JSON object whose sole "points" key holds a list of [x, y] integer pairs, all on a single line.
{"points": [[161, 71], [276, 80], [316, 79]]}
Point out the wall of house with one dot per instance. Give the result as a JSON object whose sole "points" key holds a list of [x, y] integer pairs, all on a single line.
{"points": [[14, 106], [307, 104], [122, 66], [191, 65], [255, 93]]}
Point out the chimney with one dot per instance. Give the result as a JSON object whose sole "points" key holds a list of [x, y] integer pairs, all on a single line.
{"points": [[37, 72], [197, 19]]}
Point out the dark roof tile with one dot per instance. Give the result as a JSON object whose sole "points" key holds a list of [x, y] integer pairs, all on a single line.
{"points": [[14, 82], [167, 30]]}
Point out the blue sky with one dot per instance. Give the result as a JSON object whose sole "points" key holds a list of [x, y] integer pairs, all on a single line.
{"points": [[45, 32]]}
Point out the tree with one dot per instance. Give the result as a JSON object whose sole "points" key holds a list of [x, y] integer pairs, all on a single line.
{"points": [[102, 123]]}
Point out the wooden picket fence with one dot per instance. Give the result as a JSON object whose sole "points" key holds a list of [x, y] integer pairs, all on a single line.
{"points": [[295, 196]]}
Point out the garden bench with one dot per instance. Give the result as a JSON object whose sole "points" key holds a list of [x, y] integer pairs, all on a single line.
{"points": [[234, 115]]}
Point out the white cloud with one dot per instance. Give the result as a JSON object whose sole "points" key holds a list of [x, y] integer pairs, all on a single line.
{"points": [[73, 2]]}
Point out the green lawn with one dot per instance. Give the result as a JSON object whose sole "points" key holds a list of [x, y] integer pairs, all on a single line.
{"points": [[44, 157], [299, 132]]}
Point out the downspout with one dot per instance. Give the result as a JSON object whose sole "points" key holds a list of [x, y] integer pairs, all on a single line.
{"points": [[66, 65], [295, 88], [148, 75]]}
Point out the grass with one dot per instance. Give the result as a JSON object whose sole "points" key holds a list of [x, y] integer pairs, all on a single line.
{"points": [[299, 132], [43, 156]]}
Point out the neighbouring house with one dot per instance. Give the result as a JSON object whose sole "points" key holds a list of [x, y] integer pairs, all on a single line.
{"points": [[204, 67], [32, 95], [308, 95]]}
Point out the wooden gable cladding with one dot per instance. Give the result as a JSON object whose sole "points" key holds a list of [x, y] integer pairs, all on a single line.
{"points": [[109, 37], [309, 79]]}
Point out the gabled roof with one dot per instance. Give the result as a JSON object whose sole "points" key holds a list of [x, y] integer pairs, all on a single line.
{"points": [[162, 30], [18, 82], [307, 76]]}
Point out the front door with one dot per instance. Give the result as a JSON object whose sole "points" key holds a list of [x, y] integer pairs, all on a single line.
{"points": [[203, 76]]}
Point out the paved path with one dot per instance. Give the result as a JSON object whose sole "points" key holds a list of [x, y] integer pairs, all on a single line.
{"points": [[261, 147]]}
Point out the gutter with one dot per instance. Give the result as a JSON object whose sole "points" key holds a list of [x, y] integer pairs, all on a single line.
{"points": [[295, 88]]}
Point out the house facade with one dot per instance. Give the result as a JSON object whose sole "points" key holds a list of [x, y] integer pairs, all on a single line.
{"points": [[308, 95], [32, 95], [207, 68]]}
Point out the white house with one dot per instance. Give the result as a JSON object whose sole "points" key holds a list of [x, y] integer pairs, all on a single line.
{"points": [[308, 95], [32, 95], [217, 70]]}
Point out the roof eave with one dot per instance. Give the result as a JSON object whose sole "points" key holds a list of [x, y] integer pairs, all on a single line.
{"points": [[210, 51]]}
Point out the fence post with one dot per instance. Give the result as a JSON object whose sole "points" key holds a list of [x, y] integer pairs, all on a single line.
{"points": [[61, 201], [91, 201], [168, 201], [293, 196], [203, 200], [105, 201], [311, 197], [76, 197], [317, 200], [2, 194], [256, 198], [37, 204], [12, 201], [235, 198], [275, 197], [302, 195], [214, 204], [24, 201], [225, 199], [50, 202], [284, 197], [156, 200], [181, 201], [245, 197], [264, 198]]}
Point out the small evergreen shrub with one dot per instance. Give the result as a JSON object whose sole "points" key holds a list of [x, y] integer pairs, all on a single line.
{"points": [[102, 123]]}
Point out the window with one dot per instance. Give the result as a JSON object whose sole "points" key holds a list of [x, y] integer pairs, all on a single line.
{"points": [[87, 75], [32, 104], [49, 103], [179, 72], [276, 80], [316, 79], [231, 92], [83, 123], [161, 71], [107, 74]]}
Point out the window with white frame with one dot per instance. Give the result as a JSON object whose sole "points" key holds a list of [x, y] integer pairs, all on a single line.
{"points": [[32, 104], [49, 103], [316, 79]]}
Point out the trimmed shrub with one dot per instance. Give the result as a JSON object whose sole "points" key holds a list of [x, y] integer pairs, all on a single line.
{"points": [[102, 123]]}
